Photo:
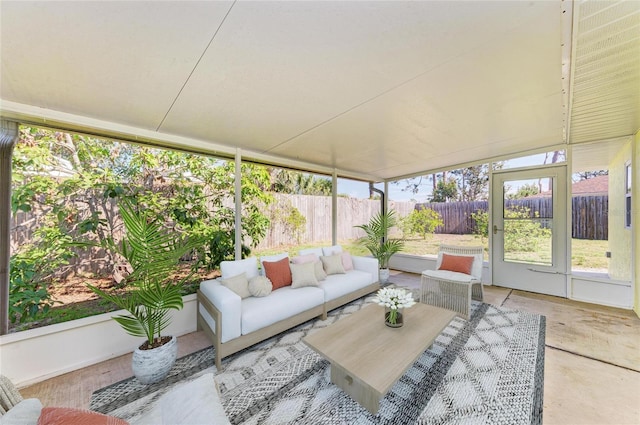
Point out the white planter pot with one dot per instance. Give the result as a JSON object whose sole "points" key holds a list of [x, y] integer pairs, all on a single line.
{"points": [[151, 366], [383, 276]]}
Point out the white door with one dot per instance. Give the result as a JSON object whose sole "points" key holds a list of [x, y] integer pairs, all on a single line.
{"points": [[529, 233]]}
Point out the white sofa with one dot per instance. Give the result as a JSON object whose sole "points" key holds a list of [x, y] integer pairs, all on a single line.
{"points": [[234, 323]]}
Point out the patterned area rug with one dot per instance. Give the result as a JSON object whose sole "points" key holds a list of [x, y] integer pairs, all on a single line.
{"points": [[489, 369]]}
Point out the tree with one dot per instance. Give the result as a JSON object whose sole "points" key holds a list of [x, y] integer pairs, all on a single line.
{"points": [[524, 191], [72, 184], [296, 182], [423, 221], [445, 191], [585, 175]]}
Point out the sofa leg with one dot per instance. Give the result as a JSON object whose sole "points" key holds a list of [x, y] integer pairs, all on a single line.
{"points": [[323, 316], [218, 362]]}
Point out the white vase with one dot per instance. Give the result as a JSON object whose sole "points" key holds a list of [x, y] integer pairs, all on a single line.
{"points": [[153, 365], [383, 276]]}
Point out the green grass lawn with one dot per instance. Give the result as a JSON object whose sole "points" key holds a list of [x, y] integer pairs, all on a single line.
{"points": [[586, 254]]}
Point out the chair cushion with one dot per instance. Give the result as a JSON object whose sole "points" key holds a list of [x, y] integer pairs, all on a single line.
{"points": [[449, 275], [476, 269], [456, 263]]}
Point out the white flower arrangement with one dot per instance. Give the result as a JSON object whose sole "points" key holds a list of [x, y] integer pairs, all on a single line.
{"points": [[394, 299]]}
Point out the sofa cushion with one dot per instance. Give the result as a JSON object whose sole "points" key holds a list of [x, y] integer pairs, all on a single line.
{"points": [[308, 258], [330, 250], [281, 304], [347, 262], [278, 272], [303, 275], [260, 286], [234, 268], [26, 411], [238, 284], [332, 264], [71, 416], [317, 251], [338, 285]]}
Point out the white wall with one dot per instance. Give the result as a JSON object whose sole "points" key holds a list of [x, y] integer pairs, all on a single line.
{"points": [[34, 355]]}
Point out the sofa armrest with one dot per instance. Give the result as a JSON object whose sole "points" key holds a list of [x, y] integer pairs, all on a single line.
{"points": [[229, 306], [367, 264]]}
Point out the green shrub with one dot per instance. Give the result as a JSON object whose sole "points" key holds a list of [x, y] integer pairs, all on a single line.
{"points": [[421, 222]]}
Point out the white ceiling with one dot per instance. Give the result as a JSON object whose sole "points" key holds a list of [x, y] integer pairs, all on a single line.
{"points": [[375, 90]]}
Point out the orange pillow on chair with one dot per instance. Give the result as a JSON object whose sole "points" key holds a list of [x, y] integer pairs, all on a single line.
{"points": [[70, 416], [456, 263], [278, 272]]}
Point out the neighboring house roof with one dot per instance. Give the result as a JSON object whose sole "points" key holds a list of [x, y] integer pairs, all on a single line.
{"points": [[598, 185], [595, 186]]}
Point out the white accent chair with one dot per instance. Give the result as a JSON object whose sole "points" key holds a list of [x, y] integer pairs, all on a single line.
{"points": [[453, 290]]}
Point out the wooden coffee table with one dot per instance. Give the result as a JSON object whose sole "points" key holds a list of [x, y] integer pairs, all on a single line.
{"points": [[367, 357]]}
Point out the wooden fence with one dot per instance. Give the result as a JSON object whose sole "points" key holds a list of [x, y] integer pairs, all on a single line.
{"points": [[589, 214], [317, 213], [589, 221]]}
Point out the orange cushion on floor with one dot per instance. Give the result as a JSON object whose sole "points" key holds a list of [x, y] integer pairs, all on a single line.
{"points": [[278, 272], [70, 416], [456, 263]]}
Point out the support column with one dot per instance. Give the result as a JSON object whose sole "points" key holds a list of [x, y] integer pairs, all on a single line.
{"points": [[238, 214], [8, 139], [334, 208]]}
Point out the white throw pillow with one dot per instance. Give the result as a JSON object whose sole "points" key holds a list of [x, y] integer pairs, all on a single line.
{"points": [[238, 284], [260, 286], [320, 273], [234, 268], [195, 402], [303, 275], [332, 264]]}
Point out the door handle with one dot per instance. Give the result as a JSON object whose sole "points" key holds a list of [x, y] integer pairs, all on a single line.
{"points": [[495, 229]]}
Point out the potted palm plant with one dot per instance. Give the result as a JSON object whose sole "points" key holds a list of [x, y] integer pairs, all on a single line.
{"points": [[152, 254], [376, 241]]}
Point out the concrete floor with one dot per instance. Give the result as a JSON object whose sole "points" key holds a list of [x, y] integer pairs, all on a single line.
{"points": [[592, 356], [592, 360]]}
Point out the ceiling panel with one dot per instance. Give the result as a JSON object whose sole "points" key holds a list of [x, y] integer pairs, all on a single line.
{"points": [[373, 89], [606, 83], [105, 60]]}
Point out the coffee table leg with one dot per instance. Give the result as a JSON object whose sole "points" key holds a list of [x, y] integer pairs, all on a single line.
{"points": [[358, 390]]}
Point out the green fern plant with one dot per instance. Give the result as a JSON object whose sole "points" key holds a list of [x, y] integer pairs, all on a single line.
{"points": [[374, 240], [154, 254]]}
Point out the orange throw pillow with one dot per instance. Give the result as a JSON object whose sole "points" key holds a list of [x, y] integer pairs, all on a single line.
{"points": [[278, 272], [456, 263], [70, 416]]}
